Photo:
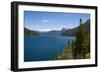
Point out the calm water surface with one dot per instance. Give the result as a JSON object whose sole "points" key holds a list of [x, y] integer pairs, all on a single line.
{"points": [[44, 47]]}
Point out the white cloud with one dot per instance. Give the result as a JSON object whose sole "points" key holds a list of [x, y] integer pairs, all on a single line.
{"points": [[45, 30], [45, 20]]}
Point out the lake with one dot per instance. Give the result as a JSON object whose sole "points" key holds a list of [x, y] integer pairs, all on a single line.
{"points": [[44, 47]]}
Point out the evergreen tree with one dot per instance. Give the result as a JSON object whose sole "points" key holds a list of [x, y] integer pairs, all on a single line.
{"points": [[68, 42], [81, 41], [78, 40], [73, 49], [80, 48]]}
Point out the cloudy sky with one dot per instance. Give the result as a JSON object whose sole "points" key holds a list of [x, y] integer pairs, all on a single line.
{"points": [[47, 21]]}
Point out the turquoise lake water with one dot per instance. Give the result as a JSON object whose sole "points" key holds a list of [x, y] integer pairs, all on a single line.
{"points": [[44, 47]]}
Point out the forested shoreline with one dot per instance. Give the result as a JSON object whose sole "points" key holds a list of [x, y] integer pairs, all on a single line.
{"points": [[78, 49]]}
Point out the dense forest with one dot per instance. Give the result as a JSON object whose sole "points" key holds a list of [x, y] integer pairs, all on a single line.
{"points": [[80, 48]]}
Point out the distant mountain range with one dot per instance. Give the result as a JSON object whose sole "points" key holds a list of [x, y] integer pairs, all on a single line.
{"points": [[53, 32], [63, 31], [72, 32]]}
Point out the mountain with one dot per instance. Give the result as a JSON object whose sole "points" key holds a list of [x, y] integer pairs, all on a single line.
{"points": [[72, 32], [87, 26], [28, 32], [53, 32], [63, 31]]}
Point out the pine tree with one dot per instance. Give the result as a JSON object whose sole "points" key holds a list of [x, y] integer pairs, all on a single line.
{"points": [[73, 49], [78, 40], [81, 41], [69, 42]]}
